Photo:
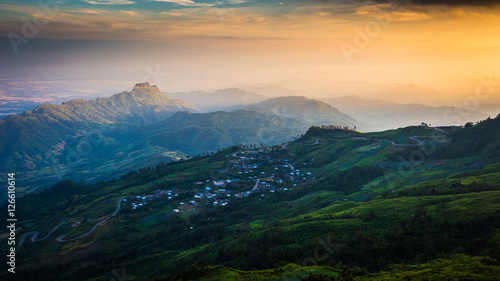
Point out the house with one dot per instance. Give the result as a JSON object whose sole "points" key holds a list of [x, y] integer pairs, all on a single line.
{"points": [[219, 183], [176, 211]]}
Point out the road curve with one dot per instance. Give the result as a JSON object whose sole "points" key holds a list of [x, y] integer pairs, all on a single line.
{"points": [[35, 234], [118, 206], [24, 237], [60, 238]]}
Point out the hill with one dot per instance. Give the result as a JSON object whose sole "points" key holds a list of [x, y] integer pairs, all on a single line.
{"points": [[194, 133], [312, 111], [405, 203], [33, 143], [383, 114]]}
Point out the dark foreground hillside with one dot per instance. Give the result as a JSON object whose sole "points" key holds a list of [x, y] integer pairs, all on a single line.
{"points": [[406, 204]]}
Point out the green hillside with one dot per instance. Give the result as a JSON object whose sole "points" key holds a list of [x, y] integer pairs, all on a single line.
{"points": [[194, 133], [404, 204]]}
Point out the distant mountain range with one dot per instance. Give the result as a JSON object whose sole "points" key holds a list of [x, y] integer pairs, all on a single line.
{"points": [[104, 138], [313, 112], [274, 91], [220, 99], [383, 114], [410, 93], [36, 142], [194, 133]]}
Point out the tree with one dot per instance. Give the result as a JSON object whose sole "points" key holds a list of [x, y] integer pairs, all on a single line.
{"points": [[317, 277], [346, 274]]}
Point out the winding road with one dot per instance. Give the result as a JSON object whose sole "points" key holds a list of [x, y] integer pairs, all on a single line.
{"points": [[413, 138], [118, 206], [33, 238], [60, 239]]}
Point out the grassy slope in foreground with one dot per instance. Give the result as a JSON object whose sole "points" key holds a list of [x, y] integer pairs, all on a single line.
{"points": [[250, 233]]}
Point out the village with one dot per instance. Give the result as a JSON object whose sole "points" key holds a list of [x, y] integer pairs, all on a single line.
{"points": [[250, 173]]}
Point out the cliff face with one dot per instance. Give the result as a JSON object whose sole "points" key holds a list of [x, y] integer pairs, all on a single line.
{"points": [[146, 86]]}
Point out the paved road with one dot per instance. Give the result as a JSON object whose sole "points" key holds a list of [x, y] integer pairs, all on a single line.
{"points": [[24, 237], [60, 239], [413, 138], [256, 185], [236, 153], [441, 130], [315, 143], [35, 234], [118, 206]]}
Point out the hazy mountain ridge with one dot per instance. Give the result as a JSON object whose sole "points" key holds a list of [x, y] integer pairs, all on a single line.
{"points": [[219, 99], [97, 139], [144, 101], [410, 93], [36, 140], [194, 133], [312, 111], [274, 91], [384, 115]]}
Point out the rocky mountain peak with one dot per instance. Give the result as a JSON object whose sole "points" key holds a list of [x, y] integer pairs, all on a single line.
{"points": [[145, 85]]}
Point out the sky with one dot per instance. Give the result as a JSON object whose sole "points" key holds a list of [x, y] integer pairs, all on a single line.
{"points": [[100, 46]]}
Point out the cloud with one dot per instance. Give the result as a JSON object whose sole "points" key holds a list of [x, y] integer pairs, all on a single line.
{"points": [[418, 13], [109, 2], [175, 14], [87, 11], [130, 13], [323, 13], [185, 3], [451, 3]]}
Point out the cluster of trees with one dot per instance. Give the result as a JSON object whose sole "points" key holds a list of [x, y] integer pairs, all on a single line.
{"points": [[337, 127]]}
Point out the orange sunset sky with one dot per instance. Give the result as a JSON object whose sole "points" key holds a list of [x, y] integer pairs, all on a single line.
{"points": [[190, 44]]}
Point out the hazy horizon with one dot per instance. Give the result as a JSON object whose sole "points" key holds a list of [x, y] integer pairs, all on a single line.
{"points": [[87, 49]]}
